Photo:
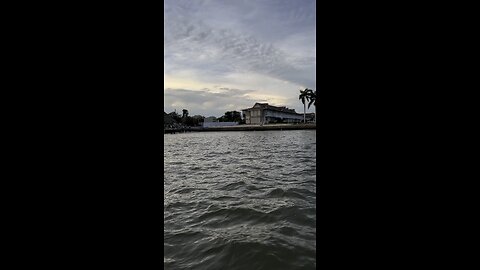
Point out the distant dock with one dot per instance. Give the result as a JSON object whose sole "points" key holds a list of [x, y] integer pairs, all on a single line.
{"points": [[242, 128]]}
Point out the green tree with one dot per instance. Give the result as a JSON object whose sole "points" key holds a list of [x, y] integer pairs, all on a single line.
{"points": [[175, 116], [231, 116], [312, 99], [304, 97], [197, 120], [185, 113]]}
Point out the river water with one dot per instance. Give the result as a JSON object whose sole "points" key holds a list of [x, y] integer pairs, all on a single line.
{"points": [[240, 200]]}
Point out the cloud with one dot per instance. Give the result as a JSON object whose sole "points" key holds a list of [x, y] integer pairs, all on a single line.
{"points": [[265, 46], [222, 51], [207, 102]]}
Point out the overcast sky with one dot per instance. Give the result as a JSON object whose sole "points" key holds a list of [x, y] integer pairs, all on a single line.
{"points": [[224, 55]]}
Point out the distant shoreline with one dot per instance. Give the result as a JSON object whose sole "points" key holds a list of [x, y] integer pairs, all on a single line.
{"points": [[243, 128]]}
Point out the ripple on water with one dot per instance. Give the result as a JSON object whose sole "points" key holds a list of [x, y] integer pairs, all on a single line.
{"points": [[240, 200]]}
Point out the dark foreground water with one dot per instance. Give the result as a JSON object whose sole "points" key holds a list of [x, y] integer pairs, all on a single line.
{"points": [[240, 200]]}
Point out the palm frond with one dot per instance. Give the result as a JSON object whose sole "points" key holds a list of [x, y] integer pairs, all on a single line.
{"points": [[310, 103]]}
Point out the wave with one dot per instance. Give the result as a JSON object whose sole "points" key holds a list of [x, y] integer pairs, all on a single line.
{"points": [[248, 204]]}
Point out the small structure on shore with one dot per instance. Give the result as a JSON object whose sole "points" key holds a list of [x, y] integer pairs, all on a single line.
{"points": [[262, 113]]}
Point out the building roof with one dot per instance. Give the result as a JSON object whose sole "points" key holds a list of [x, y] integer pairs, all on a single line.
{"points": [[265, 106]]}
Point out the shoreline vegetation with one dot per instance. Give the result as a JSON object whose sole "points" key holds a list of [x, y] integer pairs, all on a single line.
{"points": [[242, 128]]}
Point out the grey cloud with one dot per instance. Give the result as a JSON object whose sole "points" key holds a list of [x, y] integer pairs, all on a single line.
{"points": [[206, 102], [190, 41]]}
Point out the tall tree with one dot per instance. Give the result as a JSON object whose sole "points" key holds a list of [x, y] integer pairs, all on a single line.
{"points": [[312, 99], [303, 97], [184, 116], [231, 116]]}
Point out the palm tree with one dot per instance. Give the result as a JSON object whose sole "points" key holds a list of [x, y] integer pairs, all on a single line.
{"points": [[312, 98], [303, 96], [184, 116], [309, 96]]}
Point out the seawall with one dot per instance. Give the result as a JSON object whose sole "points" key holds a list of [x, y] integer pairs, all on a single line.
{"points": [[244, 128]]}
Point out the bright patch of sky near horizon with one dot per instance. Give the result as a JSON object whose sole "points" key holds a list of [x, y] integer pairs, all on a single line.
{"points": [[223, 55]]}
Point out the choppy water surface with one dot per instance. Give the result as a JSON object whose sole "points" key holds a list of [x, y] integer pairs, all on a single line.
{"points": [[240, 200]]}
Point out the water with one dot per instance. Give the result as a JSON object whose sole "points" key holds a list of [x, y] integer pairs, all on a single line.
{"points": [[240, 200]]}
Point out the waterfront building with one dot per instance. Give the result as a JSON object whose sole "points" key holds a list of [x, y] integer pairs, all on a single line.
{"points": [[262, 113]]}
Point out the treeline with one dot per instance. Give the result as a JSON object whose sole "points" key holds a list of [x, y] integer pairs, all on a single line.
{"points": [[232, 116], [174, 119]]}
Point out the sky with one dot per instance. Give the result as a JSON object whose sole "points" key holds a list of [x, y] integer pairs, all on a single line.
{"points": [[225, 55]]}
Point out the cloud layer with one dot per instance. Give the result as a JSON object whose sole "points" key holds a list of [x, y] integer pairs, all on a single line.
{"points": [[255, 49]]}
